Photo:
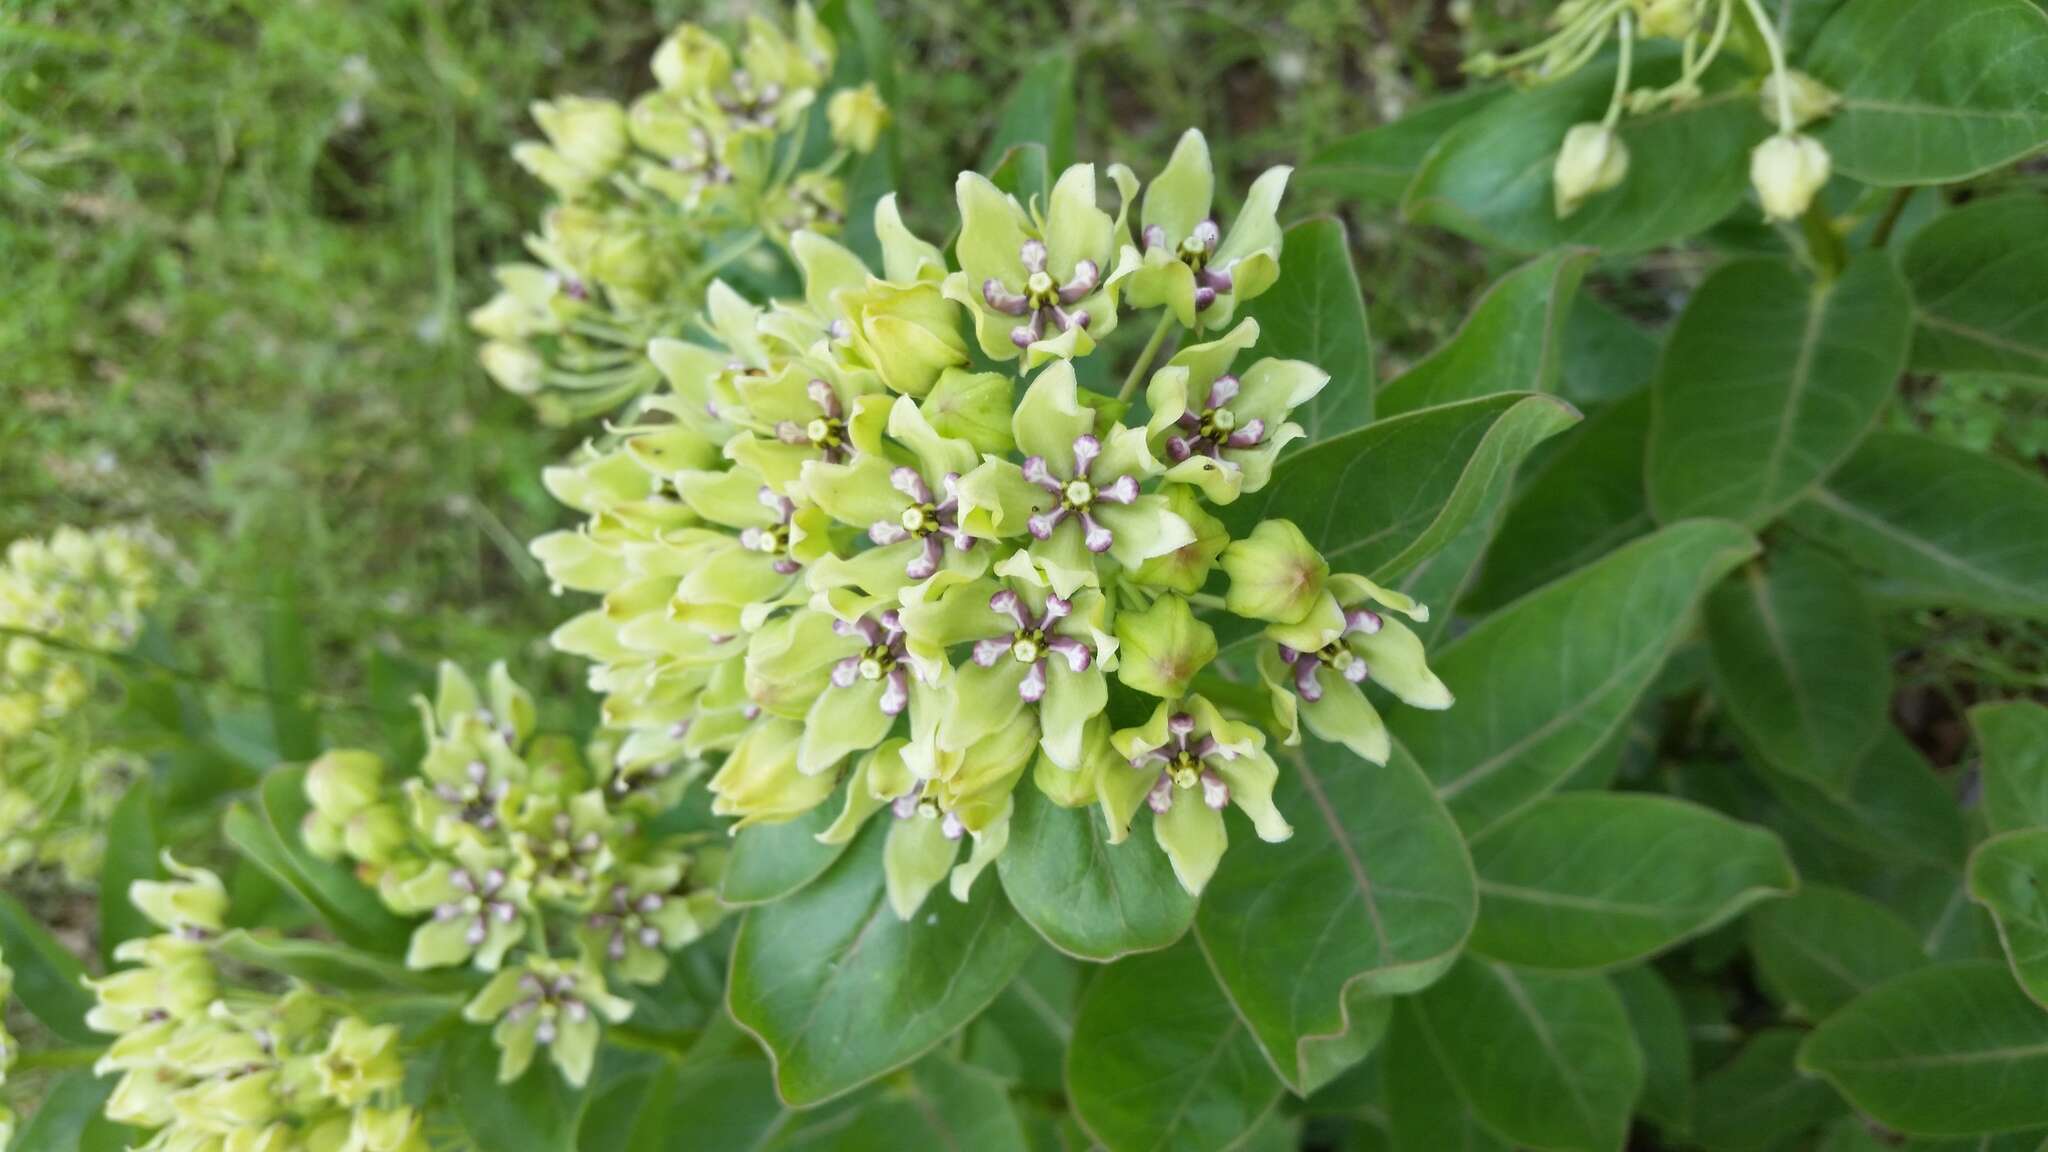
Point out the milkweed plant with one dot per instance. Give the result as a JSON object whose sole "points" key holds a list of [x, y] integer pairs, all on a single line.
{"points": [[1052, 689]]}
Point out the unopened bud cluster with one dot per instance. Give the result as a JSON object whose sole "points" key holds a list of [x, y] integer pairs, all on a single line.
{"points": [[208, 1065], [656, 196], [521, 859], [879, 542], [1787, 170], [67, 602]]}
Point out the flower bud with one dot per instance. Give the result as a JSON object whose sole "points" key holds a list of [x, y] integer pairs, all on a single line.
{"points": [[194, 905], [1592, 161], [1669, 19], [361, 1060], [1186, 569], [1275, 574], [343, 782], [322, 836], [692, 60], [588, 135], [516, 368], [1163, 647], [857, 117], [1787, 171], [376, 834], [1809, 99]]}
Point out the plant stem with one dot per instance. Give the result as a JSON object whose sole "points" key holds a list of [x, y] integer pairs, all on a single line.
{"points": [[1205, 600], [1787, 123], [1145, 358], [1887, 223]]}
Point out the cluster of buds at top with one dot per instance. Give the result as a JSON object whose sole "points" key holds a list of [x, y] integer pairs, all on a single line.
{"points": [[878, 543], [656, 196], [209, 1065], [1787, 170], [65, 601], [502, 844]]}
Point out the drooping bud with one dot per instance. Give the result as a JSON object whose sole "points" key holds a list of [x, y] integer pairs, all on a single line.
{"points": [[1275, 573], [1787, 172], [1669, 19], [857, 117], [1808, 98], [1593, 160]]}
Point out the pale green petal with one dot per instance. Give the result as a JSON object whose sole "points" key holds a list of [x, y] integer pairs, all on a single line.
{"points": [[1344, 716], [1124, 453], [1161, 648], [575, 1049], [1221, 481], [438, 944], [789, 661], [1255, 465], [1192, 834], [1075, 341], [937, 455], [1071, 699], [1144, 529], [1050, 417], [991, 328], [783, 395], [916, 857], [1275, 573], [936, 619], [974, 407], [828, 269], [1270, 389], [1250, 277], [992, 232], [778, 465], [855, 493], [843, 721], [1075, 229], [1186, 569], [996, 501], [1352, 589], [1166, 394], [1251, 777], [759, 781], [1180, 196], [1211, 359], [981, 701], [905, 258], [1400, 665], [1257, 228], [861, 802], [735, 320], [988, 844], [730, 498], [1279, 681], [853, 586], [1160, 280]]}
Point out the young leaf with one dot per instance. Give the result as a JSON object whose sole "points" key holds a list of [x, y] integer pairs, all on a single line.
{"points": [[1657, 1020], [1800, 662], [61, 1120], [1890, 805], [2012, 740], [1593, 880], [1425, 1112], [1768, 382], [1824, 947], [1490, 177], [1373, 892], [1574, 1071], [2009, 875], [1376, 166], [1161, 1062], [840, 991], [1978, 276], [1039, 110], [1759, 1101], [46, 976], [1087, 897], [770, 861], [1316, 313], [131, 855], [1513, 339], [1941, 525], [1951, 1050], [1584, 501], [1933, 91], [1560, 670]]}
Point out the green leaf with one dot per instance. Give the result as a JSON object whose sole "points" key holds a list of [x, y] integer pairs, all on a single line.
{"points": [[288, 671], [1595, 880], [1978, 276], [1425, 1112], [2036, 1141], [1383, 498], [1024, 1035], [1490, 177], [1800, 662], [1039, 110], [46, 976], [840, 991], [131, 855], [1559, 671], [1315, 312], [1376, 166], [770, 861], [1657, 1020], [865, 56], [61, 1120], [268, 835], [2012, 742], [2009, 875], [1584, 501], [1942, 526], [1890, 805], [937, 1103], [1607, 356], [1373, 892], [1759, 1101], [713, 1101], [1768, 383], [1549, 1062], [1160, 1061], [1087, 897], [538, 1112], [1933, 91], [1951, 1050], [1513, 339], [1023, 172], [1824, 947]]}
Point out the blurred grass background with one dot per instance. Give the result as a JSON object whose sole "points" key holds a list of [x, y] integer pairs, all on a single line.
{"points": [[239, 238]]}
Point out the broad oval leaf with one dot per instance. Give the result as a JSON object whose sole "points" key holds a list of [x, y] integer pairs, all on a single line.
{"points": [[1425, 1112], [1558, 671], [1315, 312], [1932, 91], [840, 991], [938, 1102], [1373, 893], [2009, 875], [1658, 1021], [1512, 340], [1759, 1101], [1768, 382], [1490, 178], [1824, 947], [1160, 1062], [2012, 740], [539, 1112], [1376, 166], [1800, 662], [1979, 275], [1547, 1061], [1593, 880], [1089, 898], [1949, 1050], [1890, 805], [770, 861], [1940, 525], [1381, 499]]}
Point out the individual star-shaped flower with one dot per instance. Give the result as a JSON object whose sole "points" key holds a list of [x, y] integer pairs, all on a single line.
{"points": [[1187, 764], [1315, 669], [734, 580], [551, 1004], [476, 911], [1222, 432], [848, 680], [1188, 263]]}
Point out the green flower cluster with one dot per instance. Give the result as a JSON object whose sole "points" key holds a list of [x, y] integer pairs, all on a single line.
{"points": [[658, 196], [214, 1067], [7, 1049], [881, 534], [506, 845], [1787, 170], [76, 590]]}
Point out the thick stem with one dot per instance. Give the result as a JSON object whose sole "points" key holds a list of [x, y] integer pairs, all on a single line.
{"points": [[1145, 359]]}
